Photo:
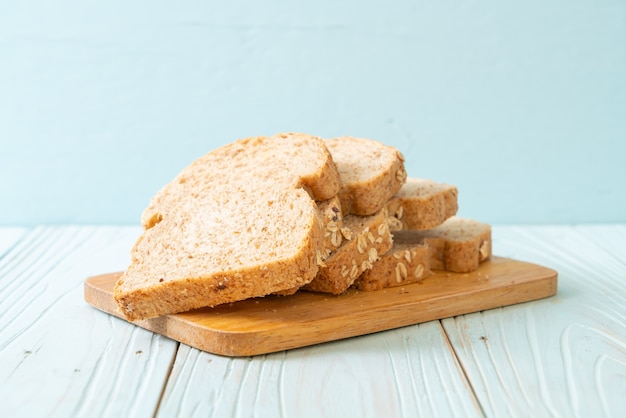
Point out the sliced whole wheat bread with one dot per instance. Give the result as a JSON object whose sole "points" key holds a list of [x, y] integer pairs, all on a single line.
{"points": [[403, 264], [458, 245], [371, 173], [239, 222], [370, 237], [422, 204]]}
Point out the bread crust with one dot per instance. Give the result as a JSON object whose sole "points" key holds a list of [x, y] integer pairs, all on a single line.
{"points": [[370, 239], [403, 264]]}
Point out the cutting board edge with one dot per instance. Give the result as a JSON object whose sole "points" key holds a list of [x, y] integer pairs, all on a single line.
{"points": [[228, 343]]}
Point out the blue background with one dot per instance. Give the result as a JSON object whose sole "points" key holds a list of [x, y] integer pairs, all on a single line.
{"points": [[522, 105]]}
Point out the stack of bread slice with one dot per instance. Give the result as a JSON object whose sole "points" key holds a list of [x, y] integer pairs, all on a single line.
{"points": [[421, 232], [293, 212]]}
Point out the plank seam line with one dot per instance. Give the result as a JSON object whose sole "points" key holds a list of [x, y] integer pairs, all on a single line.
{"points": [[460, 367], [166, 380]]}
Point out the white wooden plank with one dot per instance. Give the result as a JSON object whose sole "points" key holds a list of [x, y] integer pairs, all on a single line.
{"points": [[399, 373], [59, 356], [563, 356], [9, 236]]}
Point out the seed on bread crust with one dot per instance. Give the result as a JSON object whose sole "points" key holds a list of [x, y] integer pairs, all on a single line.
{"points": [[484, 250], [320, 259], [361, 244], [401, 175], [394, 223], [354, 271], [372, 254], [400, 212], [419, 271], [344, 271], [403, 272]]}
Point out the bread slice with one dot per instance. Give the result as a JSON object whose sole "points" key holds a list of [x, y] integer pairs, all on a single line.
{"points": [[370, 238], [458, 245], [239, 222], [422, 204], [371, 173], [404, 264]]}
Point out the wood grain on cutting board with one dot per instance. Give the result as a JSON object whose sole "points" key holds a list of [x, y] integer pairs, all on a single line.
{"points": [[274, 323]]}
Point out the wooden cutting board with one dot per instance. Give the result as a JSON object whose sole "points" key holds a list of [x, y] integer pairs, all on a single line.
{"points": [[274, 323]]}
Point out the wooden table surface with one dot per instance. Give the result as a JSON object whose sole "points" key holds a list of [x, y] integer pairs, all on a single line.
{"points": [[564, 356]]}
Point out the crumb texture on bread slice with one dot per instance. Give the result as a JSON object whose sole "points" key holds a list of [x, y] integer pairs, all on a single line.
{"points": [[458, 245], [371, 173], [248, 165], [239, 222]]}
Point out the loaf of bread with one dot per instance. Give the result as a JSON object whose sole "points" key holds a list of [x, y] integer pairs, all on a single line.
{"points": [[422, 204], [370, 237], [371, 173], [458, 245], [239, 222], [273, 215]]}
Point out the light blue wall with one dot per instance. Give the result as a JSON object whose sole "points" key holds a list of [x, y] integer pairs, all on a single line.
{"points": [[521, 104]]}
